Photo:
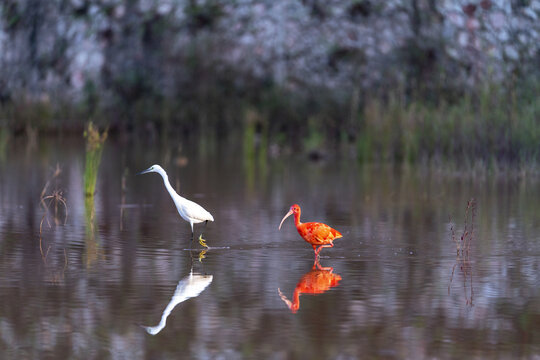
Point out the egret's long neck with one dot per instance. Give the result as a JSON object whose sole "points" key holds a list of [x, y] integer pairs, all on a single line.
{"points": [[168, 186]]}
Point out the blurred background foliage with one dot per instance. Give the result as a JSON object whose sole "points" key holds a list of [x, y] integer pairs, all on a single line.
{"points": [[400, 80]]}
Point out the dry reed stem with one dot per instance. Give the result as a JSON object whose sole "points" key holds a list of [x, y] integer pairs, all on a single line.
{"points": [[57, 172], [56, 197], [463, 246]]}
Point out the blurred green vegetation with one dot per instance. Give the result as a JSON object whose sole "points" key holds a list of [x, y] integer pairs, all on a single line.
{"points": [[420, 93], [4, 140], [487, 125], [94, 150], [493, 123]]}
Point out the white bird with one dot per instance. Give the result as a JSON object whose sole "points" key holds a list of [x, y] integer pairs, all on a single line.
{"points": [[189, 287], [188, 210]]}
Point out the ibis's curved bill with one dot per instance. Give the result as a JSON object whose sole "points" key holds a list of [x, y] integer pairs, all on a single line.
{"points": [[286, 216], [319, 235]]}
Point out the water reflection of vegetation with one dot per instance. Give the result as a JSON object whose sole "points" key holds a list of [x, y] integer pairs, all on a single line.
{"points": [[123, 189], [54, 199], [382, 296], [4, 139], [491, 124], [463, 246], [316, 281], [53, 203], [94, 149], [189, 287], [255, 147], [91, 238]]}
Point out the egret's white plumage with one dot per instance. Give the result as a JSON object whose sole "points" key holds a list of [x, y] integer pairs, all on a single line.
{"points": [[189, 287], [188, 210]]}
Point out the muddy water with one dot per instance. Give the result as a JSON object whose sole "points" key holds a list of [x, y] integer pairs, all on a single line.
{"points": [[117, 279]]}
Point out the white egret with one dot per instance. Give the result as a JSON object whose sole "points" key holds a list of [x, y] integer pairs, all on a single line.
{"points": [[188, 210], [189, 287]]}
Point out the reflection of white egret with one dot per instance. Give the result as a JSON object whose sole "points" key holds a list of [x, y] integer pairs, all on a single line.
{"points": [[189, 287], [188, 210]]}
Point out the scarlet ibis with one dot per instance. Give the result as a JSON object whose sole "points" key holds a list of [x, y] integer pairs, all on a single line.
{"points": [[317, 281], [315, 233], [188, 210]]}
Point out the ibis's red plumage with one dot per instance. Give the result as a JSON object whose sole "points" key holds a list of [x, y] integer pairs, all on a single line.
{"points": [[317, 281], [315, 233]]}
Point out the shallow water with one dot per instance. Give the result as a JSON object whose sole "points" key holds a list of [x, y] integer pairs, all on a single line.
{"points": [[117, 279]]}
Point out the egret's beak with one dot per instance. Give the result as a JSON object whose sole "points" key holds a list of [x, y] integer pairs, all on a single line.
{"points": [[144, 171], [286, 216]]}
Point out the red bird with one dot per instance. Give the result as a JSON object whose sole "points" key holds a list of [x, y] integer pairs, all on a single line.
{"points": [[315, 233], [317, 281]]}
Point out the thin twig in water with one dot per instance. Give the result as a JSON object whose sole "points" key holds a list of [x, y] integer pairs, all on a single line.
{"points": [[57, 197], [43, 256], [463, 246], [46, 201], [56, 173], [453, 233]]}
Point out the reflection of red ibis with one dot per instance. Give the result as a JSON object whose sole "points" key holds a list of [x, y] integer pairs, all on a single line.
{"points": [[317, 281], [317, 234]]}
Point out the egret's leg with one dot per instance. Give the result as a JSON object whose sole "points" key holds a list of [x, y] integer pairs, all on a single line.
{"points": [[204, 228], [202, 255], [201, 240], [191, 242]]}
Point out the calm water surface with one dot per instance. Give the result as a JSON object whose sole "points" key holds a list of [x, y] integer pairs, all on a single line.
{"points": [[117, 279]]}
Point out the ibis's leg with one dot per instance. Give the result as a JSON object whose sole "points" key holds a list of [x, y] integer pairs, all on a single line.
{"points": [[323, 246], [317, 265], [316, 252], [201, 240]]}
